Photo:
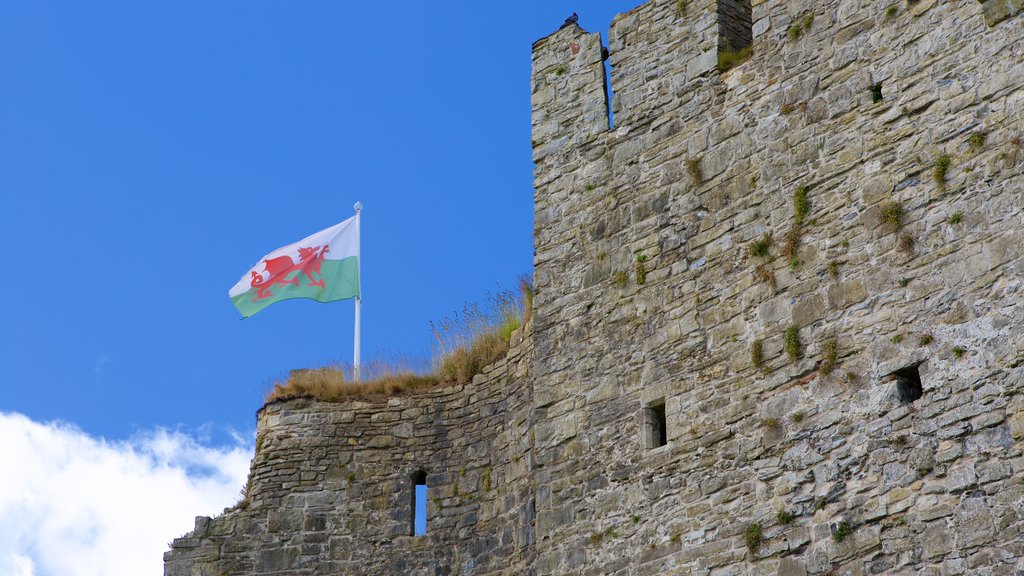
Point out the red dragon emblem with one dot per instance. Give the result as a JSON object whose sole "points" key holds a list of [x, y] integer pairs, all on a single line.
{"points": [[280, 271]]}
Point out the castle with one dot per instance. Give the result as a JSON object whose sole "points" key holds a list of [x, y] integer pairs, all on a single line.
{"points": [[778, 325]]}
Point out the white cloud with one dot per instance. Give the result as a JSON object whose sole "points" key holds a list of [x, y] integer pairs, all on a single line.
{"points": [[76, 505]]}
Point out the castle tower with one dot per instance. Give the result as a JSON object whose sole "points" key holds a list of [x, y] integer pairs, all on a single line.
{"points": [[778, 323]]}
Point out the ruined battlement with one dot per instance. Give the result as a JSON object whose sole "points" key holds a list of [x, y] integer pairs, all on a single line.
{"points": [[777, 326]]}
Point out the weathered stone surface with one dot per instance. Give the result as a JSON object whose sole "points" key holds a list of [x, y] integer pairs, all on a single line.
{"points": [[326, 499], [544, 464]]}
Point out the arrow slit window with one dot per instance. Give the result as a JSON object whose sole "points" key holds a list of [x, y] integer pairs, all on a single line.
{"points": [[418, 504], [655, 424]]}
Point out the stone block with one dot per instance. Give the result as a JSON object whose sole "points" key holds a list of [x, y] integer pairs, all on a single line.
{"points": [[998, 10], [277, 559]]}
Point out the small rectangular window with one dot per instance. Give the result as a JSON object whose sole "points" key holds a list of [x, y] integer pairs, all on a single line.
{"points": [[908, 383], [418, 518], [655, 425]]}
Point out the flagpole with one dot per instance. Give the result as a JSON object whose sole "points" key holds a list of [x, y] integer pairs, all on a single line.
{"points": [[359, 298]]}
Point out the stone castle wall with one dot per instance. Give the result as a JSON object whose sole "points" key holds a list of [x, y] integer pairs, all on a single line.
{"points": [[331, 486], [699, 166], [790, 202]]}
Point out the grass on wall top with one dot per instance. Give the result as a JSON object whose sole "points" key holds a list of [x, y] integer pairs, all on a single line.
{"points": [[464, 344]]}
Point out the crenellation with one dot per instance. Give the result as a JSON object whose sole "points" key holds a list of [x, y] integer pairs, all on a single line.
{"points": [[569, 95]]}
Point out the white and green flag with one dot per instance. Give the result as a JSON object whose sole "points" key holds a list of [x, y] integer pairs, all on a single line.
{"points": [[323, 267]]}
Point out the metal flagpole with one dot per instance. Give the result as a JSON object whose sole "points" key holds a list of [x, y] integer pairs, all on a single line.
{"points": [[359, 298]]}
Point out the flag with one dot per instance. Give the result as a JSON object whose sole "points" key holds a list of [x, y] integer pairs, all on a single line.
{"points": [[323, 267]]}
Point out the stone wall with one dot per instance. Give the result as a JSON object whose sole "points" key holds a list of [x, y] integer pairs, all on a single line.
{"points": [[330, 489], [777, 253], [735, 28], [651, 284]]}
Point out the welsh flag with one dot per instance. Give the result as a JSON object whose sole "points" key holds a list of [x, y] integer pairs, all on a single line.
{"points": [[323, 267]]}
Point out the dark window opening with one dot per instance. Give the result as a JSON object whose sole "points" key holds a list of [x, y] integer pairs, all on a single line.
{"points": [[418, 518], [735, 26], [876, 93], [655, 424], [908, 383], [608, 94]]}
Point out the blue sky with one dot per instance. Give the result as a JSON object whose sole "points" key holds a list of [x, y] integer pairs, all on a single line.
{"points": [[150, 153]]}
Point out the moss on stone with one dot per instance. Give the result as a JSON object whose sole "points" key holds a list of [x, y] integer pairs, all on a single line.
{"points": [[793, 348]]}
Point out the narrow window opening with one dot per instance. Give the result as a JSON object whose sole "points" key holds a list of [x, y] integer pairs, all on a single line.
{"points": [[418, 518], [908, 383], [876, 93], [735, 31], [608, 95], [655, 425]]}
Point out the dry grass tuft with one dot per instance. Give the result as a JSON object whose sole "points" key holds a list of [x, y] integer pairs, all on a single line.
{"points": [[906, 243], [766, 275], [464, 344], [792, 245], [328, 383], [694, 171]]}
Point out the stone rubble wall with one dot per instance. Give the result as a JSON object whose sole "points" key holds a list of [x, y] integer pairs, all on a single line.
{"points": [[792, 204], [648, 287], [330, 488]]}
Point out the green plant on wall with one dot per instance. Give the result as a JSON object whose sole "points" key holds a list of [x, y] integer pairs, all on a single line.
{"points": [[842, 531], [729, 59], [757, 354], [941, 169], [641, 271], [759, 248], [829, 356], [976, 140], [801, 204], [752, 536], [891, 216], [793, 348], [799, 28]]}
